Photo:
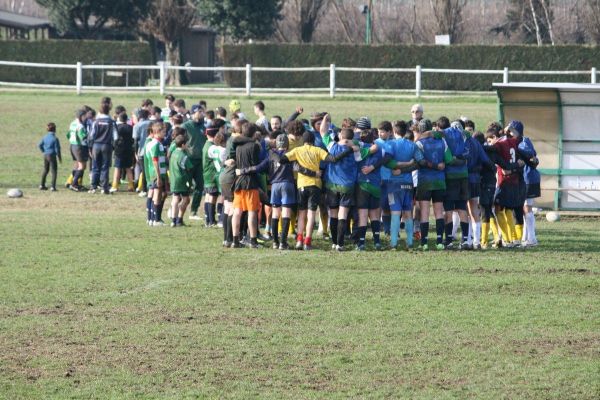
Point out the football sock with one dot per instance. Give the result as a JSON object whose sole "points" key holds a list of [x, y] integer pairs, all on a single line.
{"points": [[530, 221], [455, 223], [511, 224], [230, 228], [376, 228], [394, 230], [439, 230], [206, 212], [159, 208], [424, 232], [503, 225], [71, 178], [387, 221], [285, 229], [341, 233], [220, 212], [485, 231], [308, 241], [477, 232], [275, 229], [519, 230], [333, 227], [402, 224], [464, 228], [408, 224], [449, 237], [225, 233], [324, 218], [362, 233], [149, 208], [494, 226]]}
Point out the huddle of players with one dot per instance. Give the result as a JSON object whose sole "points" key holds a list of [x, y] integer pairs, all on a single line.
{"points": [[392, 174]]}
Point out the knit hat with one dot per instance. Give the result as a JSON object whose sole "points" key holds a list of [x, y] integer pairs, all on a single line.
{"points": [[363, 123], [282, 141]]}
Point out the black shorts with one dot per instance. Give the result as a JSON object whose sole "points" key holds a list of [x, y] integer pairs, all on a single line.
{"points": [[486, 197], [365, 200], [211, 190], [474, 190], [435, 196], [80, 153], [123, 161], [533, 190], [309, 198], [182, 194], [457, 190], [508, 196], [339, 199], [227, 191]]}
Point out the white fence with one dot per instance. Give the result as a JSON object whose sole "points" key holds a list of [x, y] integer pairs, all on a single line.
{"points": [[163, 69]]}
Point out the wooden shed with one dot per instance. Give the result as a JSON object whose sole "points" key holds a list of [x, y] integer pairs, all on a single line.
{"points": [[198, 49]]}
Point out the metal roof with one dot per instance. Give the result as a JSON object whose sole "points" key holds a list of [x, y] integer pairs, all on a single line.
{"points": [[549, 85], [14, 20]]}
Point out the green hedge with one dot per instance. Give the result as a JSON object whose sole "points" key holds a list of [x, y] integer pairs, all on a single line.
{"points": [[405, 56], [69, 52]]}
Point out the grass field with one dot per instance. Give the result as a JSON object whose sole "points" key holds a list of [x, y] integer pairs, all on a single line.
{"points": [[94, 304]]}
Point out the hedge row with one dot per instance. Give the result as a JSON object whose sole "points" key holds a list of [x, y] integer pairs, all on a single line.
{"points": [[69, 52], [405, 56]]}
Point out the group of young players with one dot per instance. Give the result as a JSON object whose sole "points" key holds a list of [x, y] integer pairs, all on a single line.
{"points": [[291, 174]]}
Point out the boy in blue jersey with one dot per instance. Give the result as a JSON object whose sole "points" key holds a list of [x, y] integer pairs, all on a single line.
{"points": [[340, 182], [368, 190], [400, 188], [532, 185], [457, 180], [432, 180], [477, 159], [385, 135]]}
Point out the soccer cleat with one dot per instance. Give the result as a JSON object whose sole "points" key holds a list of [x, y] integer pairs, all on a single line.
{"points": [[113, 189], [393, 248], [333, 246], [465, 246], [158, 223], [325, 236], [74, 188], [527, 243], [92, 191], [53, 189], [425, 247], [253, 245], [173, 224], [378, 246], [275, 246], [106, 192], [451, 246], [307, 247], [284, 246], [42, 187], [226, 244], [219, 225], [266, 237], [237, 246], [339, 248], [477, 247], [142, 194], [439, 246], [360, 248], [299, 245], [194, 217]]}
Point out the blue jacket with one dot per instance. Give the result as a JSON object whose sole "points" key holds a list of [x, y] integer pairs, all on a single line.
{"points": [[476, 160], [402, 150], [50, 145], [455, 138], [530, 174]]}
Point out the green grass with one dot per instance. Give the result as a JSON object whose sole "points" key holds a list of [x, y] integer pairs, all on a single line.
{"points": [[94, 304]]}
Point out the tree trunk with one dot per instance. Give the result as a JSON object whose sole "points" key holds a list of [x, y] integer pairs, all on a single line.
{"points": [[538, 35], [173, 58], [548, 21]]}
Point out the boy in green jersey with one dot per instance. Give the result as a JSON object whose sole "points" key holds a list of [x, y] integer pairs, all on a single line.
{"points": [[179, 171], [77, 137], [155, 159]]}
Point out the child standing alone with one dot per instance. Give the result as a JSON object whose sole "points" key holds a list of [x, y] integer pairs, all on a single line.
{"points": [[50, 147]]}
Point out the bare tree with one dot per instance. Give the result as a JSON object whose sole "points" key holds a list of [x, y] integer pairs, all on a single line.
{"points": [[168, 21], [592, 19], [448, 17]]}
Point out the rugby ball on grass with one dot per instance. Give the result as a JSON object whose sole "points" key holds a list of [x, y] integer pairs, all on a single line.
{"points": [[14, 193], [552, 216]]}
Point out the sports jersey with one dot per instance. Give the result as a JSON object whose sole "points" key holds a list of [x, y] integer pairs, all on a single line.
{"points": [[476, 159], [179, 171], [402, 150], [341, 176], [278, 172], [531, 175], [77, 133], [507, 150], [154, 150], [217, 155], [209, 170], [455, 139], [434, 151], [309, 157], [385, 172], [371, 182]]}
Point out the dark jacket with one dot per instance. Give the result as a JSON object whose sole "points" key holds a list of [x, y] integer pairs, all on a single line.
{"points": [[247, 155]]}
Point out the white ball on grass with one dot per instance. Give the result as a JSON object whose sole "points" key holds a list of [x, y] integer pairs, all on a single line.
{"points": [[552, 216], [14, 193]]}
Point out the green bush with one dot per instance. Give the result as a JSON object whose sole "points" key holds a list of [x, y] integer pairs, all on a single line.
{"points": [[405, 56], [70, 52]]}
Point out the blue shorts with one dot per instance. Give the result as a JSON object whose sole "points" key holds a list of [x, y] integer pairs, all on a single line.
{"points": [[401, 200], [283, 194]]}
